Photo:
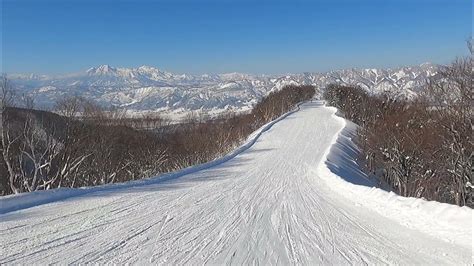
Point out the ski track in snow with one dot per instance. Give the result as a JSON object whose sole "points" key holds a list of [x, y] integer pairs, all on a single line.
{"points": [[266, 205]]}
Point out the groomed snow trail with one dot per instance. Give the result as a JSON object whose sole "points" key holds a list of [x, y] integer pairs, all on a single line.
{"points": [[267, 206]]}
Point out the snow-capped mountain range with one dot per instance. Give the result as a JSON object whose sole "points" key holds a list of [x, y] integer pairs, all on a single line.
{"points": [[150, 89]]}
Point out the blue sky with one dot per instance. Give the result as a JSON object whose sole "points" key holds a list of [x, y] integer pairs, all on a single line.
{"points": [[53, 37]]}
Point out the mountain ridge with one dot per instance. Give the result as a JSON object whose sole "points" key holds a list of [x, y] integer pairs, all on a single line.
{"points": [[147, 88]]}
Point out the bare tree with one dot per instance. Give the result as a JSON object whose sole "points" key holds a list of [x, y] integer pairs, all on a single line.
{"points": [[470, 45], [452, 101], [8, 141], [69, 106], [38, 150]]}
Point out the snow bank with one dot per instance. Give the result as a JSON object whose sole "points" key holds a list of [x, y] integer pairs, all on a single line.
{"points": [[340, 171], [27, 200]]}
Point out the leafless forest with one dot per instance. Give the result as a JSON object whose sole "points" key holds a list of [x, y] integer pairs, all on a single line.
{"points": [[421, 147], [81, 144]]}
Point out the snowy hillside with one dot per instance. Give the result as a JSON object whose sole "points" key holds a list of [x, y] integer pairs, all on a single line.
{"points": [[149, 88], [286, 197]]}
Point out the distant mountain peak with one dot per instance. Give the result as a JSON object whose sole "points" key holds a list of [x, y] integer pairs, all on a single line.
{"points": [[101, 70]]}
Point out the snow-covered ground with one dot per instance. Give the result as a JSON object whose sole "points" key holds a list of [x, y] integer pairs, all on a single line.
{"points": [[291, 195]]}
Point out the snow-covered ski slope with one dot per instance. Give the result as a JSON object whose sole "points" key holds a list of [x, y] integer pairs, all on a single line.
{"points": [[288, 198]]}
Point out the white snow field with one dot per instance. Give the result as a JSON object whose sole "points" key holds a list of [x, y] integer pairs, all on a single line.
{"points": [[292, 195]]}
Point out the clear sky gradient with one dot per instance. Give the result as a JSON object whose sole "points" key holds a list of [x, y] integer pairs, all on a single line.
{"points": [[53, 37]]}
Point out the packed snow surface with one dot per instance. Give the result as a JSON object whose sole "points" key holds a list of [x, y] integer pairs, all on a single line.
{"points": [[291, 195]]}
